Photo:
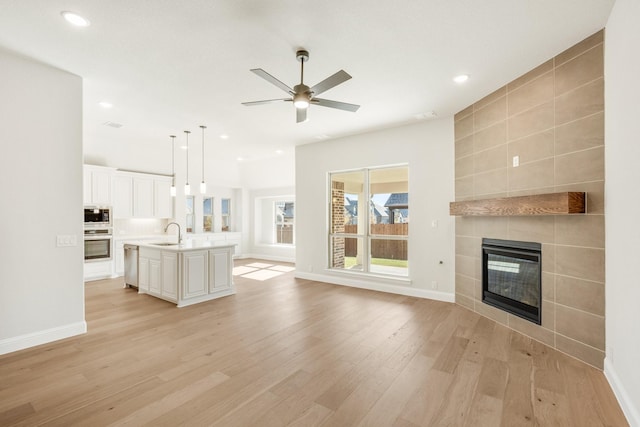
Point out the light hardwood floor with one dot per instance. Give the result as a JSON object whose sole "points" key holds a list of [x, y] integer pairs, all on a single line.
{"points": [[299, 353]]}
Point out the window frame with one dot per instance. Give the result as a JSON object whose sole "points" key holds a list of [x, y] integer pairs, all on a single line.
{"points": [[366, 234], [205, 216], [192, 214], [225, 218], [283, 223]]}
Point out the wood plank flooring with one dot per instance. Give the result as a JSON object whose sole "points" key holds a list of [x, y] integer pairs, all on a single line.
{"points": [[288, 352]]}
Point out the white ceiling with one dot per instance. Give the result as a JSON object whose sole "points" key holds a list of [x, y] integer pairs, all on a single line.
{"points": [[170, 65]]}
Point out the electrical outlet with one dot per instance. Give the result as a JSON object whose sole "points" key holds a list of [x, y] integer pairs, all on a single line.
{"points": [[434, 284], [516, 161], [434, 223]]}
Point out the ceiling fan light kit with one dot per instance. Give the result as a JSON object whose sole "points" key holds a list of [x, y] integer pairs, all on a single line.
{"points": [[302, 95]]}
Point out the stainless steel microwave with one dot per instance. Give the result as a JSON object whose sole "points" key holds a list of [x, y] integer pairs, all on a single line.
{"points": [[97, 216]]}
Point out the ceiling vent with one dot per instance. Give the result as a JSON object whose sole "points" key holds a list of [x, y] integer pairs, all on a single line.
{"points": [[113, 124]]}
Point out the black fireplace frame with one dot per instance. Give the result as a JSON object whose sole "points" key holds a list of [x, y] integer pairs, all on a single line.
{"points": [[524, 250]]}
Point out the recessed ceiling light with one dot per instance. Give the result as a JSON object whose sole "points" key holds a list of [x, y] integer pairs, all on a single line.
{"points": [[461, 78], [279, 151], [75, 19], [184, 147], [224, 136], [240, 159], [105, 104], [322, 137], [113, 124]]}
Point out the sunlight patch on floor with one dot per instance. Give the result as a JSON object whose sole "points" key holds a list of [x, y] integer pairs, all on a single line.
{"points": [[283, 268], [242, 269], [262, 275], [259, 265]]}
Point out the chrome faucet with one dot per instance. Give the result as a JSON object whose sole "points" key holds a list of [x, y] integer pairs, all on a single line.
{"points": [[179, 232]]}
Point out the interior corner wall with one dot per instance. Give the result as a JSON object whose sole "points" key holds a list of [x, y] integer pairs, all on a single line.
{"points": [[622, 203], [552, 118], [427, 148], [41, 284]]}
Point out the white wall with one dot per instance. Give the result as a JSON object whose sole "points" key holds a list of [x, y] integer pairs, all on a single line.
{"points": [[428, 148], [275, 172], [622, 205], [41, 285]]}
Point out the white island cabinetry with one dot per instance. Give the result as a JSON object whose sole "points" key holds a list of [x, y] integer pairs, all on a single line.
{"points": [[185, 274]]}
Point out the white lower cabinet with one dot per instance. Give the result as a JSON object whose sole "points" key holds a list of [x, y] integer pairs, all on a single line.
{"points": [[194, 274], [143, 274], [118, 249], [155, 277], [220, 264], [170, 276], [186, 277]]}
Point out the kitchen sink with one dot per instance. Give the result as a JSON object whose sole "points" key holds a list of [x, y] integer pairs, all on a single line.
{"points": [[163, 244]]}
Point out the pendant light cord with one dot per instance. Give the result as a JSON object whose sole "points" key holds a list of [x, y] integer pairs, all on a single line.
{"points": [[187, 132], [203, 128], [173, 160]]}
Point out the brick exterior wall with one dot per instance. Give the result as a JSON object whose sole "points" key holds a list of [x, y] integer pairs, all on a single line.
{"points": [[337, 223]]}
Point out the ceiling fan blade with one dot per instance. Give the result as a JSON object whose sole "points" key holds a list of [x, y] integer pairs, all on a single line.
{"points": [[301, 115], [335, 104], [332, 81], [268, 77], [266, 101]]}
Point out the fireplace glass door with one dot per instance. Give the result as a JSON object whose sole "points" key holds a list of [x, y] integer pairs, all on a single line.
{"points": [[512, 277]]}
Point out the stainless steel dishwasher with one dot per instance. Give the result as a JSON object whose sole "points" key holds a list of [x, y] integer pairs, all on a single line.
{"points": [[131, 265]]}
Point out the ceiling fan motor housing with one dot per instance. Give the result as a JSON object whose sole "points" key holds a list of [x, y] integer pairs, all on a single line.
{"points": [[302, 55]]}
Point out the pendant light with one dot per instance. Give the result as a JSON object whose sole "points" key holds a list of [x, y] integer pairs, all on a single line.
{"points": [[173, 165], [203, 185], [187, 187]]}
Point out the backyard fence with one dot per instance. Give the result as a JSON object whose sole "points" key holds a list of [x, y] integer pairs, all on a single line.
{"points": [[284, 233], [387, 249]]}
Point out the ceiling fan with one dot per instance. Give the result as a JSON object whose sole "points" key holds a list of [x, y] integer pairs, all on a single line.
{"points": [[302, 95]]}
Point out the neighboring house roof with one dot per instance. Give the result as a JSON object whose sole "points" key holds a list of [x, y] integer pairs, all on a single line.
{"points": [[398, 200], [379, 210], [288, 211]]}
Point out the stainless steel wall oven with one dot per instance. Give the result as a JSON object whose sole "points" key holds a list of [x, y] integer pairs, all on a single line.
{"points": [[98, 244]]}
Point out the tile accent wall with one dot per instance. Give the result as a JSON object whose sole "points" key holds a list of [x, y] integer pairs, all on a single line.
{"points": [[553, 119]]}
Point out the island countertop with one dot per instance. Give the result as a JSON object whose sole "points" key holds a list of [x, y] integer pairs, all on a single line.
{"points": [[185, 246]]}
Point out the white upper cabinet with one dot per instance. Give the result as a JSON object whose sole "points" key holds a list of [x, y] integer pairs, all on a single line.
{"points": [[163, 202], [97, 185], [143, 197], [139, 195], [122, 196]]}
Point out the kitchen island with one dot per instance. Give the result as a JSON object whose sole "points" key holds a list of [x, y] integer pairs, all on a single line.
{"points": [[186, 273]]}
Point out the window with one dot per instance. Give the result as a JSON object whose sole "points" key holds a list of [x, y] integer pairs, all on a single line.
{"points": [[190, 217], [284, 216], [369, 220], [226, 214], [207, 214]]}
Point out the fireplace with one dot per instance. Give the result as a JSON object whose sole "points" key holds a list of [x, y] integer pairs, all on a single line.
{"points": [[511, 277]]}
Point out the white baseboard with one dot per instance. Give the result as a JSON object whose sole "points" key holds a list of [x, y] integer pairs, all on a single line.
{"points": [[626, 403], [271, 258], [33, 339], [376, 286]]}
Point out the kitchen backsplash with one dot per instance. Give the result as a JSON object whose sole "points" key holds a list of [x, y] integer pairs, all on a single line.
{"points": [[140, 227]]}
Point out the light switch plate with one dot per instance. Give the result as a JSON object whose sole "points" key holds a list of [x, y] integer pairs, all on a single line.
{"points": [[66, 240], [516, 161]]}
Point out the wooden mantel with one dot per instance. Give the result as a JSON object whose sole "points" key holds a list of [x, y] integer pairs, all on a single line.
{"points": [[540, 204]]}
